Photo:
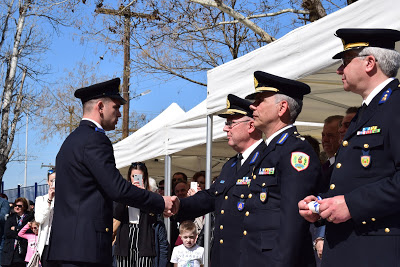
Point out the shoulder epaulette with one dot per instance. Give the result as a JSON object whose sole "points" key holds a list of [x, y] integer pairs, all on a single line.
{"points": [[254, 157], [282, 139], [100, 130], [385, 96], [300, 137]]}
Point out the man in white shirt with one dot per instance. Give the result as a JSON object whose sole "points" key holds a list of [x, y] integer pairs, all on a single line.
{"points": [[44, 216]]}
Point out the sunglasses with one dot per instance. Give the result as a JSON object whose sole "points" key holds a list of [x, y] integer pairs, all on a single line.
{"points": [[51, 171], [134, 164], [18, 206]]}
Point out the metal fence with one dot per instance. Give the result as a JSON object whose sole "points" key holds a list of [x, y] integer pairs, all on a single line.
{"points": [[29, 192]]}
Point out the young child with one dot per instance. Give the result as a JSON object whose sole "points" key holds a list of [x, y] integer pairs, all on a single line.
{"points": [[189, 254], [32, 238]]}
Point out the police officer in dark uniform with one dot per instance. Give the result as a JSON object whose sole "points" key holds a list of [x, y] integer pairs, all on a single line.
{"points": [[274, 233], [88, 182], [222, 197], [362, 207]]}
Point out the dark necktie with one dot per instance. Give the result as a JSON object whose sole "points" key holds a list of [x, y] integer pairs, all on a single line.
{"points": [[239, 161], [360, 112]]}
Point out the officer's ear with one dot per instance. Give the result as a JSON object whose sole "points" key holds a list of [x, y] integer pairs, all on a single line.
{"points": [[251, 128], [282, 108], [371, 64], [100, 106]]}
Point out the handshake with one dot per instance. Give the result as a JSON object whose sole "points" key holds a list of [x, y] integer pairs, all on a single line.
{"points": [[171, 206]]}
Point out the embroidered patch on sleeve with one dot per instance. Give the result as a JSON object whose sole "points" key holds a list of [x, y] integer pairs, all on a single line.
{"points": [[300, 161]]}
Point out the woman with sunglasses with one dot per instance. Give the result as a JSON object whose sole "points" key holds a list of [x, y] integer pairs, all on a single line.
{"points": [[135, 237], [44, 215], [14, 249]]}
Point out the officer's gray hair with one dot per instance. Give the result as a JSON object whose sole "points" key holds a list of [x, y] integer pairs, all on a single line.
{"points": [[388, 60], [295, 105]]}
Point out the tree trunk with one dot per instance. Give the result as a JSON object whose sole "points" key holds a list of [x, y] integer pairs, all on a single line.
{"points": [[315, 8], [7, 130]]}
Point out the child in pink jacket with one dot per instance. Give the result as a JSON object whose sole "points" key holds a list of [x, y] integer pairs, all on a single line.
{"points": [[32, 238]]}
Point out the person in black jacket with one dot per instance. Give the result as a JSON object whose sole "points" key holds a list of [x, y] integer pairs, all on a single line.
{"points": [[88, 182], [14, 249], [135, 244]]}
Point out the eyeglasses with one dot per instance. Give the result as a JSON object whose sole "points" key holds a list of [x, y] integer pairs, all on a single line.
{"points": [[19, 206], [231, 124], [161, 188], [346, 61]]}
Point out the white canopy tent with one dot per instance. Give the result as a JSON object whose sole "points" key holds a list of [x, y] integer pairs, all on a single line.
{"points": [[176, 133], [304, 54]]}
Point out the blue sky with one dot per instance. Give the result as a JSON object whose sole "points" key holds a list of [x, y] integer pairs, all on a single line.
{"points": [[64, 54]]}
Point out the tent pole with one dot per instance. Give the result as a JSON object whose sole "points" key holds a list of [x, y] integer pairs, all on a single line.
{"points": [[167, 191], [207, 224]]}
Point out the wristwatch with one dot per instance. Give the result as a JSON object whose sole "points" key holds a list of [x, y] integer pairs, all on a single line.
{"points": [[314, 243]]}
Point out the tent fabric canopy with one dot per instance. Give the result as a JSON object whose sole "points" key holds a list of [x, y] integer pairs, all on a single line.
{"points": [[304, 53]]}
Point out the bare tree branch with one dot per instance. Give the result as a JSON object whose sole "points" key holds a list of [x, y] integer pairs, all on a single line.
{"points": [[228, 10]]}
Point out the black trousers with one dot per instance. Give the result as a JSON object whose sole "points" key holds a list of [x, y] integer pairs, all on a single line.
{"points": [[44, 257]]}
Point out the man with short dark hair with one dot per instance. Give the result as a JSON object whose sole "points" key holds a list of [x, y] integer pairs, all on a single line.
{"points": [[344, 125], [178, 177], [88, 182], [330, 144], [181, 189], [362, 207]]}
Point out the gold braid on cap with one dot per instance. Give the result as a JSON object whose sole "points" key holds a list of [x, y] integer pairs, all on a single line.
{"points": [[233, 111], [352, 45], [265, 88]]}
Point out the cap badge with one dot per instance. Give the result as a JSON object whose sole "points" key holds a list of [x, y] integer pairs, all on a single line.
{"points": [[255, 82]]}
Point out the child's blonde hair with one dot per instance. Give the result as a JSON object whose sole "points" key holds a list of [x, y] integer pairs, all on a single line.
{"points": [[187, 226]]}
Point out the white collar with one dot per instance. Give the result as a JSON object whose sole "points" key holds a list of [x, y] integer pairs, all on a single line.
{"points": [[376, 91], [276, 133], [331, 160], [249, 150], [95, 122]]}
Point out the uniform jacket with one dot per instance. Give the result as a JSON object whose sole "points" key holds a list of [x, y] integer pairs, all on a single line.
{"points": [[228, 218], [274, 234], [367, 173], [87, 183]]}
